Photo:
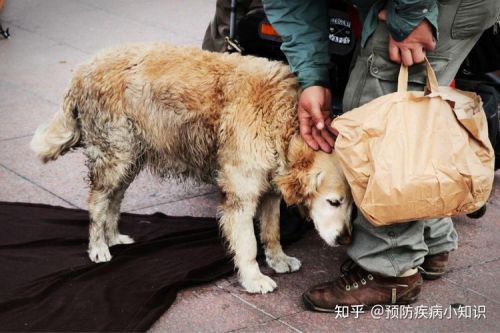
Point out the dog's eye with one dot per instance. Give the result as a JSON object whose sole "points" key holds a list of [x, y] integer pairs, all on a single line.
{"points": [[334, 203]]}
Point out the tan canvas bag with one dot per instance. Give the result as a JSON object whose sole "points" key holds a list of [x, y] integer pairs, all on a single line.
{"points": [[416, 155]]}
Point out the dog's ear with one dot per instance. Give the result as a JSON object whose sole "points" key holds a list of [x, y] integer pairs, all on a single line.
{"points": [[298, 184], [292, 188], [317, 179]]}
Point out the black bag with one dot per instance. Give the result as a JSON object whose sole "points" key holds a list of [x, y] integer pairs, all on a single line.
{"points": [[491, 105], [485, 56]]}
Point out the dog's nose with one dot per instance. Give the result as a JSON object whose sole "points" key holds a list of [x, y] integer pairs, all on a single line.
{"points": [[345, 239]]}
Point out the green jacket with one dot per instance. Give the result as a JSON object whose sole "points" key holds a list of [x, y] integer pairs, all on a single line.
{"points": [[303, 26]]}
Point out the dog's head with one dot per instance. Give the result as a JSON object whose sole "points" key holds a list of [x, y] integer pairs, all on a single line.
{"points": [[316, 181]]}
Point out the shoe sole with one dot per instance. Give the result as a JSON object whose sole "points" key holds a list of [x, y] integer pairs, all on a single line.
{"points": [[310, 306], [432, 276]]}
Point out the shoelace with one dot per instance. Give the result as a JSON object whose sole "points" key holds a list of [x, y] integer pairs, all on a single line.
{"points": [[352, 273]]}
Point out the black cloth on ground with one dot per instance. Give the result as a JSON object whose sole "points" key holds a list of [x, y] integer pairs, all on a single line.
{"points": [[47, 282]]}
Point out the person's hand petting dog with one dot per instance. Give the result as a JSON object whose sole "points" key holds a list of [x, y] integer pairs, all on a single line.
{"points": [[314, 118], [412, 49]]}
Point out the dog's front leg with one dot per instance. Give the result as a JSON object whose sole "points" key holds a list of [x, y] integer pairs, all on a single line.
{"points": [[270, 235], [237, 212]]}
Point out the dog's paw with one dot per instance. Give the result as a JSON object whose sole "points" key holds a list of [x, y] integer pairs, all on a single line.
{"points": [[260, 284], [99, 253], [283, 263], [120, 239]]}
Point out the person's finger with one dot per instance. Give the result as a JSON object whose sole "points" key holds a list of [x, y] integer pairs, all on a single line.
{"points": [[331, 129], [323, 145], [430, 45], [418, 55], [305, 128], [406, 57], [394, 54], [308, 138], [325, 133], [317, 116]]}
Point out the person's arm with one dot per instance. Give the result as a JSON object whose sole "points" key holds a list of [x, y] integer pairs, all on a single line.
{"points": [[303, 27]]}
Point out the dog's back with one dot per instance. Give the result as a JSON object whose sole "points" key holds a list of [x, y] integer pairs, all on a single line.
{"points": [[164, 103]]}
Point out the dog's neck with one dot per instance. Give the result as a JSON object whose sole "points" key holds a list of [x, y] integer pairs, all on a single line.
{"points": [[291, 177]]}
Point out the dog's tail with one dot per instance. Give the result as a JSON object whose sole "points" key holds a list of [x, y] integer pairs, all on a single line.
{"points": [[57, 137]]}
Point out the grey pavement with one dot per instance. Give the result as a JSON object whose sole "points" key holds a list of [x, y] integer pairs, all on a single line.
{"points": [[49, 38]]}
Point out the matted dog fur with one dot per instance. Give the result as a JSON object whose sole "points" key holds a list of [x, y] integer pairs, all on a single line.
{"points": [[183, 112]]}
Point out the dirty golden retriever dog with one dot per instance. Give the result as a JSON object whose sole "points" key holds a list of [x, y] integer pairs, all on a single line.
{"points": [[183, 112]]}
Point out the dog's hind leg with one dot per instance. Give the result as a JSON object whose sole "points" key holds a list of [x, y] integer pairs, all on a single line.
{"points": [[269, 215], [99, 207], [112, 234], [110, 174], [242, 189]]}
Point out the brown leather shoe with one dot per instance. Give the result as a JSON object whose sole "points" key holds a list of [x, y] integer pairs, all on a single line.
{"points": [[434, 266], [359, 287]]}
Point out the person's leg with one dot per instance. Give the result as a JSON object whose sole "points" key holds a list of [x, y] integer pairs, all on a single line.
{"points": [[218, 28], [440, 236], [375, 75], [389, 250], [386, 257]]}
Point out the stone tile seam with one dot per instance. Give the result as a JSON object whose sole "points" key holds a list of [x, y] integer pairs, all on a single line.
{"points": [[260, 310], [472, 290], [262, 324], [173, 201], [474, 265], [17, 137], [39, 186]]}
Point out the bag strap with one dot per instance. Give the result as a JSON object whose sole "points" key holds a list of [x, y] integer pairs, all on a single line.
{"points": [[431, 80], [431, 83], [403, 79]]}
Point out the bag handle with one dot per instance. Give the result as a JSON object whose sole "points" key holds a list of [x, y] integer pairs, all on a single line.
{"points": [[431, 80]]}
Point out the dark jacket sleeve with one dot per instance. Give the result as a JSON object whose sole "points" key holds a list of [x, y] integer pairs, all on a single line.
{"points": [[303, 27]]}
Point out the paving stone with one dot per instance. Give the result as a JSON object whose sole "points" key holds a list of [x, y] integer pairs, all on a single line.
{"points": [[46, 65], [208, 309], [13, 95], [21, 119], [86, 28], [480, 278], [186, 22], [16, 189]]}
